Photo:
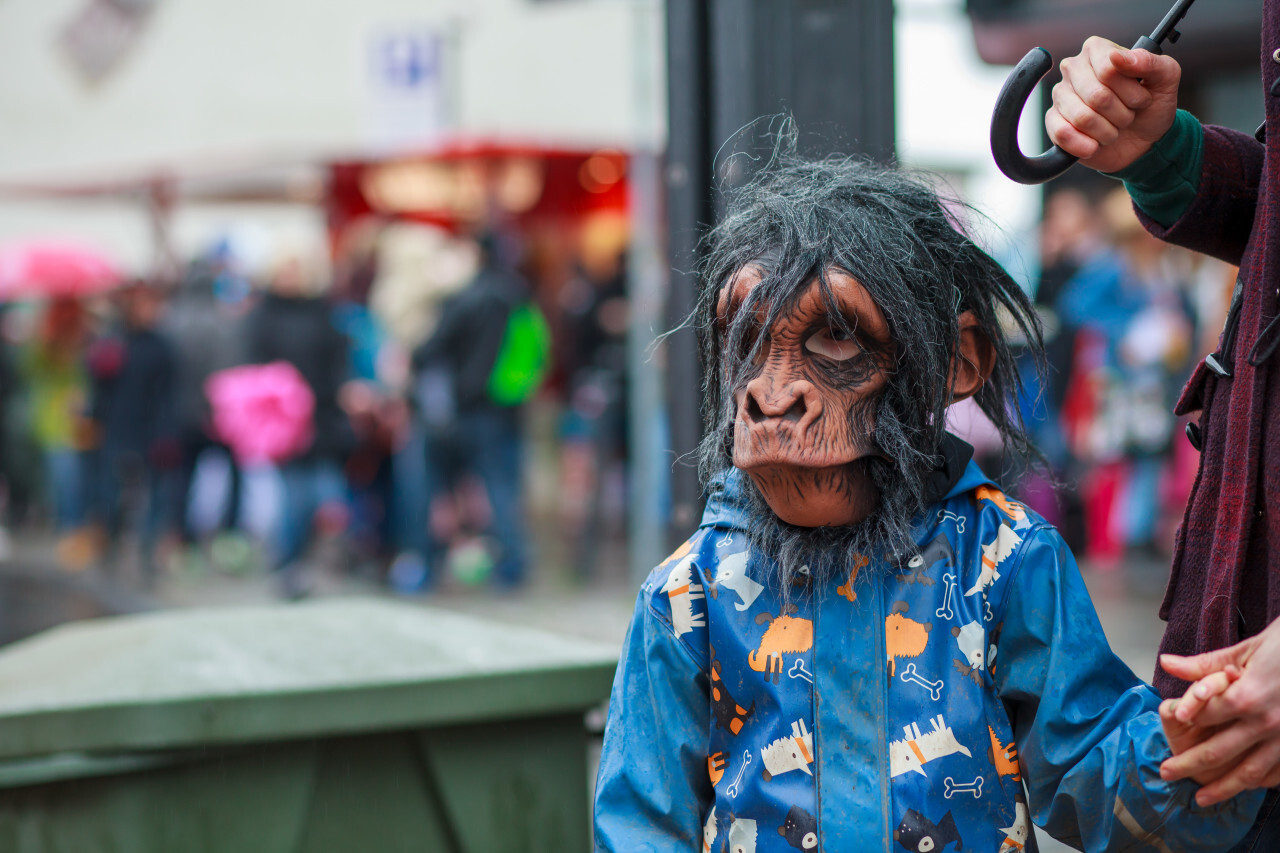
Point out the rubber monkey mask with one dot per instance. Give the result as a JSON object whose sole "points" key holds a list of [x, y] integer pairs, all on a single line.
{"points": [[842, 311]]}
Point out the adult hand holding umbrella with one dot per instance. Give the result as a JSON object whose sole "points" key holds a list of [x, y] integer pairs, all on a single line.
{"points": [[1034, 66], [50, 268]]}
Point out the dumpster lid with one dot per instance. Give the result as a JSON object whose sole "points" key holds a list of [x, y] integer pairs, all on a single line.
{"points": [[183, 678]]}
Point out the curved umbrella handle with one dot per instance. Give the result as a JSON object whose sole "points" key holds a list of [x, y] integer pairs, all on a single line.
{"points": [[1004, 125], [1018, 87]]}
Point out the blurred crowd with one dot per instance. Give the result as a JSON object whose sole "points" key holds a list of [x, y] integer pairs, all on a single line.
{"points": [[367, 406], [1125, 318], [358, 409]]}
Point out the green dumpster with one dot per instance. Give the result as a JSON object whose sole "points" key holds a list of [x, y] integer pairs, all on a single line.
{"points": [[326, 726]]}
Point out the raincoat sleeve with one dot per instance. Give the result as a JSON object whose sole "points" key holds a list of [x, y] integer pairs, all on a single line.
{"points": [[1087, 729], [653, 788]]}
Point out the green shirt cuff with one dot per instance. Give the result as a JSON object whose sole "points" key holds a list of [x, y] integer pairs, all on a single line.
{"points": [[1164, 181]]}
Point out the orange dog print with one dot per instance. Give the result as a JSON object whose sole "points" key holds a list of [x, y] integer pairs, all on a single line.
{"points": [[785, 635], [904, 637]]}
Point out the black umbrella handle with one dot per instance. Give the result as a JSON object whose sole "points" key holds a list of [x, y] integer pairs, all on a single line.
{"points": [[1019, 85], [1004, 125]]}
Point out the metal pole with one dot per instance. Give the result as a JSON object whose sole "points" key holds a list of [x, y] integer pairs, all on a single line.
{"points": [[160, 200], [647, 283], [688, 184]]}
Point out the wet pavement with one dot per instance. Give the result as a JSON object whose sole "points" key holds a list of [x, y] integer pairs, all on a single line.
{"points": [[34, 597], [35, 593]]}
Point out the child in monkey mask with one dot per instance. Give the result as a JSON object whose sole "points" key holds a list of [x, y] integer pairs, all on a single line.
{"points": [[867, 645]]}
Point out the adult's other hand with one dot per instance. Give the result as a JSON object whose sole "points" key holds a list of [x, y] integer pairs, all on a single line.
{"points": [[1245, 753]]}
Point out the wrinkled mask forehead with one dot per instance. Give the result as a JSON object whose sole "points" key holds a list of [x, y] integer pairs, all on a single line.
{"points": [[760, 296], [757, 283]]}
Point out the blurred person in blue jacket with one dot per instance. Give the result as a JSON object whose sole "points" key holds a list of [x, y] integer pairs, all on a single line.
{"points": [[867, 645]]}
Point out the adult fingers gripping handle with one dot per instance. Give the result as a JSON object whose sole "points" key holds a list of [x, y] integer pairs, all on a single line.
{"points": [[1019, 85]]}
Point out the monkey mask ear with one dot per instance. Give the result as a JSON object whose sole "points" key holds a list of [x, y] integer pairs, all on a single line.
{"points": [[973, 361]]}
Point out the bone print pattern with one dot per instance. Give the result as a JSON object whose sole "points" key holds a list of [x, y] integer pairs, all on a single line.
{"points": [[742, 768], [849, 590], [951, 787], [933, 687]]}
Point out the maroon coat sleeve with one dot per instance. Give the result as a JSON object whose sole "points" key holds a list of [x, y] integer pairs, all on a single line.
{"points": [[1221, 219]]}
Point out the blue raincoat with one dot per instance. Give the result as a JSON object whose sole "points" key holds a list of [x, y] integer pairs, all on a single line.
{"points": [[935, 703]]}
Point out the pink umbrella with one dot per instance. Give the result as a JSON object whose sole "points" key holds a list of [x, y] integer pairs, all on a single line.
{"points": [[262, 411], [54, 268]]}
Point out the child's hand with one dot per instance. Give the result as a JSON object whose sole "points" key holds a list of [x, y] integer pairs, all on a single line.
{"points": [[1199, 694], [1181, 731], [1181, 736]]}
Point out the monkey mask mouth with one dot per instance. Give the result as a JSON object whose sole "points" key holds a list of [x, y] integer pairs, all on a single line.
{"points": [[803, 408]]}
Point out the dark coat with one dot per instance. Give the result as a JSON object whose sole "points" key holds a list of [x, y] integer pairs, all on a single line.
{"points": [[1225, 580], [131, 392], [205, 339], [468, 336], [301, 331]]}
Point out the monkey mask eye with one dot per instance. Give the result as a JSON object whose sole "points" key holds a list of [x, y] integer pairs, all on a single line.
{"points": [[833, 343]]}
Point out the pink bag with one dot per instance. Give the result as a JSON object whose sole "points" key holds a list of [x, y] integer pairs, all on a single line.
{"points": [[264, 412]]}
